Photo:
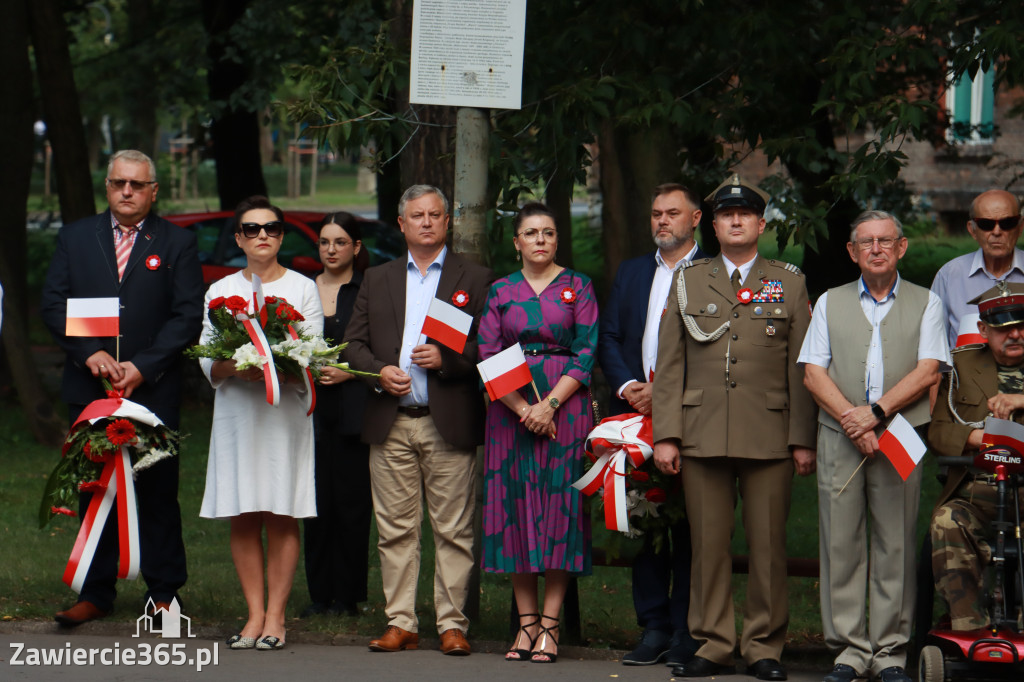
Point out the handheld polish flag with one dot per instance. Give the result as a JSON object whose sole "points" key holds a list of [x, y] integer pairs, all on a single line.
{"points": [[968, 333], [901, 444], [505, 372], [448, 325], [93, 317]]}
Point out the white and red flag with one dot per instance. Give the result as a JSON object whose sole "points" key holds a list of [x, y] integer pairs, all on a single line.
{"points": [[901, 444], [1003, 433], [448, 325], [968, 333], [93, 317], [505, 372]]}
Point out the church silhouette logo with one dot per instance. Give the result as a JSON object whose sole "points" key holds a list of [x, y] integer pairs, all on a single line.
{"points": [[169, 623]]}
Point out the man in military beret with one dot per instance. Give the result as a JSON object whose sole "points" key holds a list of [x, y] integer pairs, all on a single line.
{"points": [[991, 382], [863, 370], [731, 411]]}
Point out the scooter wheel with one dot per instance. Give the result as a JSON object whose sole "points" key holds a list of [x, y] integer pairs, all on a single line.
{"points": [[931, 666]]}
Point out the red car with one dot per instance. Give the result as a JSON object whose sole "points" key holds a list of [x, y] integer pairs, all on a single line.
{"points": [[220, 255]]}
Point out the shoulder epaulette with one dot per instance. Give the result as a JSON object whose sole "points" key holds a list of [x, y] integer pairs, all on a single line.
{"points": [[968, 346], [786, 266], [699, 261]]}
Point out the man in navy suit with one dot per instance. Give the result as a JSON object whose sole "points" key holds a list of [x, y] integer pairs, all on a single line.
{"points": [[628, 350], [152, 267]]}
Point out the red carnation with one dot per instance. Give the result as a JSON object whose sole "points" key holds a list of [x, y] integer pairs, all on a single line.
{"points": [[121, 432], [216, 303], [62, 510], [91, 487], [236, 304], [640, 476], [656, 495], [270, 299]]}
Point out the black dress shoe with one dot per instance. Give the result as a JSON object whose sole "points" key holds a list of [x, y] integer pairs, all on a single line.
{"points": [[682, 648], [315, 609], [894, 674], [767, 669], [653, 646], [702, 667], [842, 673]]}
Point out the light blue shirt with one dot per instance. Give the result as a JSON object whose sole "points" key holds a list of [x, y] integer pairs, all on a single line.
{"points": [[931, 343], [419, 291], [964, 278]]}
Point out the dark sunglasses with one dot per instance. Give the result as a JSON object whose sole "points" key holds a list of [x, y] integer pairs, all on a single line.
{"points": [[1005, 224], [137, 185], [252, 230]]}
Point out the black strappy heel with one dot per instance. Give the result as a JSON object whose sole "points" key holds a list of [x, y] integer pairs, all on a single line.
{"points": [[542, 637], [523, 654]]}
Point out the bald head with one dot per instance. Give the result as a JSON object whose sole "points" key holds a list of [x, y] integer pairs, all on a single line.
{"points": [[995, 225], [994, 201]]}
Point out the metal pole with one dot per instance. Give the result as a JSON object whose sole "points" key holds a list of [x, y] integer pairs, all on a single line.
{"points": [[469, 238]]}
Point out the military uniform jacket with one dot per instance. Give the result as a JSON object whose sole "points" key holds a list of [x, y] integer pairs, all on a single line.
{"points": [[741, 394], [978, 381]]}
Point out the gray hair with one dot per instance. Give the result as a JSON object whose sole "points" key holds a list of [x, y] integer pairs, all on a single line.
{"points": [[868, 216], [417, 191], [135, 156]]}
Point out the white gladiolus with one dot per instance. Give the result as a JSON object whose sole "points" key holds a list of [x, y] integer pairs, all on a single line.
{"points": [[150, 458], [246, 356]]}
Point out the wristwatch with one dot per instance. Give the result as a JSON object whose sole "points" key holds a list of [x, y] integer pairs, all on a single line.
{"points": [[553, 402], [878, 411]]}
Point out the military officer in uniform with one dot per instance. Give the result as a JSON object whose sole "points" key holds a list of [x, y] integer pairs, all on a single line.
{"points": [[988, 380], [736, 419]]}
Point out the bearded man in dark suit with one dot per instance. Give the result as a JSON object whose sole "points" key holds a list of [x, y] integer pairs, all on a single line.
{"points": [[424, 420], [628, 351], [152, 267]]}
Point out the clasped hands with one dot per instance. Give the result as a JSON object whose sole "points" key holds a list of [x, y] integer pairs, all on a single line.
{"points": [[123, 376], [859, 425], [538, 418]]}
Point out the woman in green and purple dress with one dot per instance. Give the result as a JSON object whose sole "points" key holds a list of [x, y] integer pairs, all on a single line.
{"points": [[533, 518]]}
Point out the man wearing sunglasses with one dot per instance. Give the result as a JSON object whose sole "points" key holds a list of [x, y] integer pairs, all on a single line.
{"points": [[152, 267], [995, 224]]}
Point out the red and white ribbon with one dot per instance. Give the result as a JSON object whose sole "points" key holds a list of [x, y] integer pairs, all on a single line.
{"points": [[257, 306], [307, 377], [616, 441], [118, 488]]}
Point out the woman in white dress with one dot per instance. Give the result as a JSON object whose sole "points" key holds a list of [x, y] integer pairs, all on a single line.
{"points": [[260, 469]]}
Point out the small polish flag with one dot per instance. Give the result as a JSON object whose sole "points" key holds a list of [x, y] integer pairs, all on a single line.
{"points": [[901, 444], [93, 317], [505, 372], [968, 333], [447, 324], [1003, 432]]}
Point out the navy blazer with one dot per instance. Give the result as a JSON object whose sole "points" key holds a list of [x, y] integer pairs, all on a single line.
{"points": [[161, 298], [623, 319]]}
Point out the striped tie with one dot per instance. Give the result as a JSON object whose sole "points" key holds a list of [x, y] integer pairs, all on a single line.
{"points": [[125, 240]]}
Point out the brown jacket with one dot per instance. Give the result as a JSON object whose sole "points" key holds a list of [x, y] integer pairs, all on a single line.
{"points": [[375, 336], [741, 395]]}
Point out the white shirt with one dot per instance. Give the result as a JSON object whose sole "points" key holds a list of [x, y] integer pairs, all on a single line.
{"points": [[419, 291], [664, 276], [744, 269], [931, 345]]}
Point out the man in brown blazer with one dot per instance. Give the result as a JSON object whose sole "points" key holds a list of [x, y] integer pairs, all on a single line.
{"points": [[731, 411], [423, 421]]}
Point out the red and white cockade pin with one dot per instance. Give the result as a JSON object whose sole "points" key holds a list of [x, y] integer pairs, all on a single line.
{"points": [[153, 262], [568, 295], [745, 295], [460, 298]]}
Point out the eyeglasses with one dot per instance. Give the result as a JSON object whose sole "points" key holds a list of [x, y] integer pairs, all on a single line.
{"points": [[137, 185], [989, 224], [532, 235], [252, 230], [884, 243], [339, 243]]}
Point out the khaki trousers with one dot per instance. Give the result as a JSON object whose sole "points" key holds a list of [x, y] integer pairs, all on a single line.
{"points": [[710, 485], [889, 579], [413, 462]]}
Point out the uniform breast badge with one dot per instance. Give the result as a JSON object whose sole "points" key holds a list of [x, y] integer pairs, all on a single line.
{"points": [[770, 329], [771, 292]]}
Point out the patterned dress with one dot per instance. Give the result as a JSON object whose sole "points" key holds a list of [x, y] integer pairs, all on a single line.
{"points": [[533, 517]]}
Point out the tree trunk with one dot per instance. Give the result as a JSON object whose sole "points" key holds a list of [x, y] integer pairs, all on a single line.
{"points": [[140, 129], [430, 156], [15, 175], [63, 114], [559, 200], [235, 131]]}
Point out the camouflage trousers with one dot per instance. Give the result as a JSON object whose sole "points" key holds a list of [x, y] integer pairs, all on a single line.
{"points": [[961, 532]]}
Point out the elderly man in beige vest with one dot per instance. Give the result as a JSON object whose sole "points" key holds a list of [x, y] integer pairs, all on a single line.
{"points": [[863, 370]]}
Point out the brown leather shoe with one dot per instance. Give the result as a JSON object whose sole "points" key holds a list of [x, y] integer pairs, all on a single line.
{"points": [[82, 612], [395, 639], [453, 643]]}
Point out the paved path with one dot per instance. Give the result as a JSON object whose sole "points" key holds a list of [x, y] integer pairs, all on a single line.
{"points": [[301, 662]]}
